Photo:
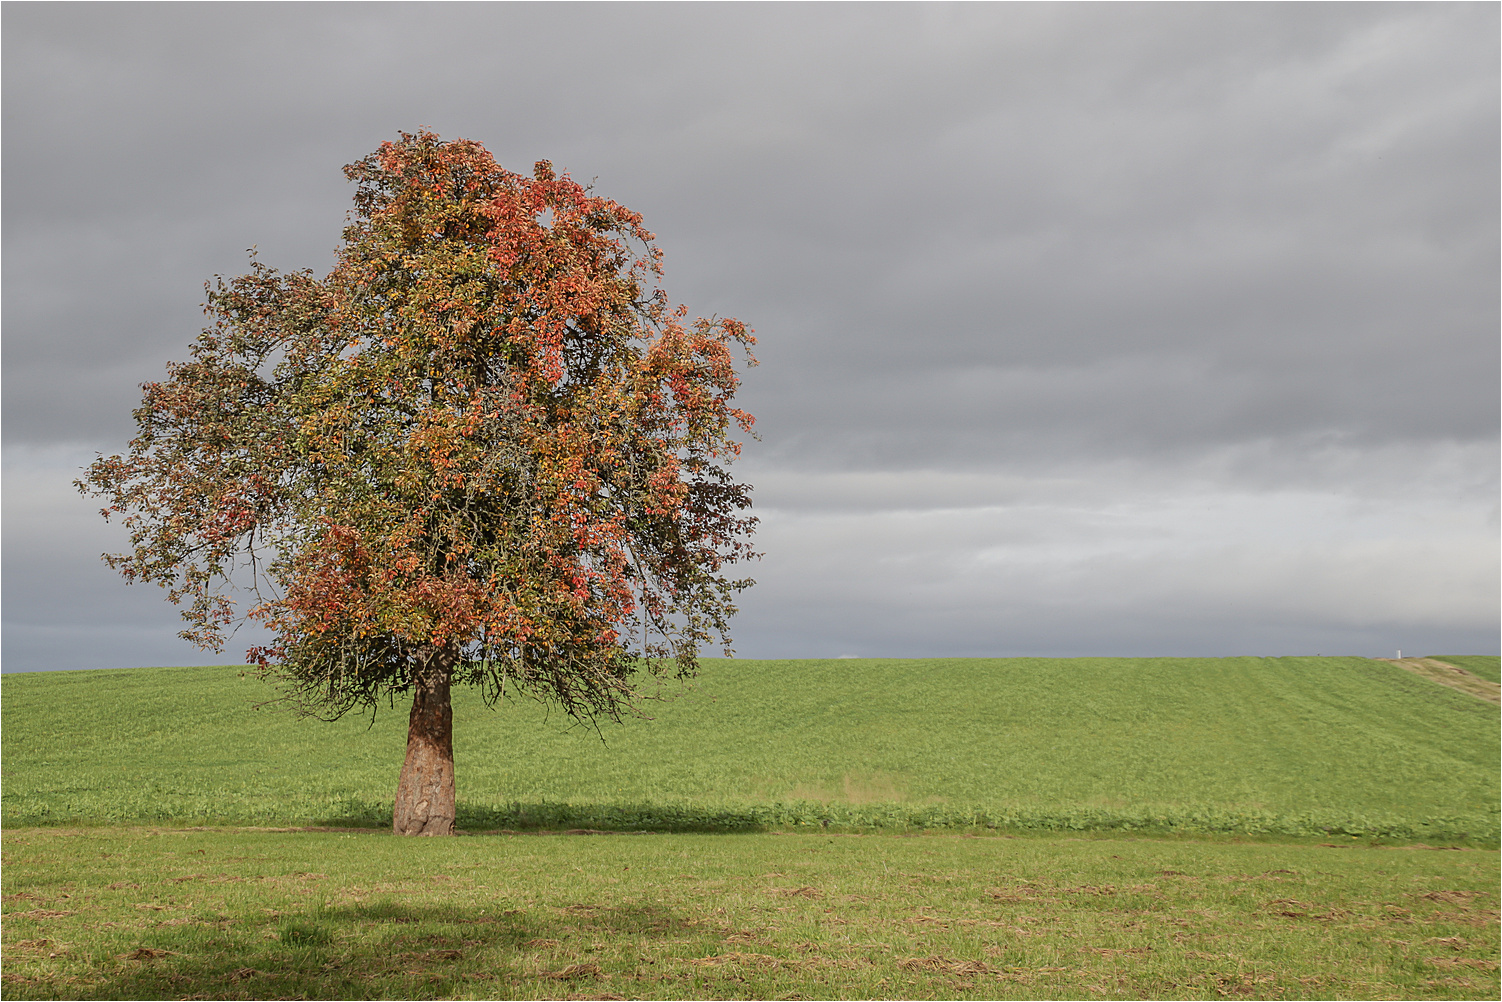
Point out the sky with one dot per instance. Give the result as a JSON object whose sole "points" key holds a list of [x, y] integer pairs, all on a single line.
{"points": [[1135, 330]]}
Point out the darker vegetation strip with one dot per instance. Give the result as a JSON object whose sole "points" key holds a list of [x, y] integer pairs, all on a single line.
{"points": [[592, 819]]}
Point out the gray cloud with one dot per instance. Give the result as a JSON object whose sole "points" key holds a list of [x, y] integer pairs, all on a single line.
{"points": [[1229, 250]]}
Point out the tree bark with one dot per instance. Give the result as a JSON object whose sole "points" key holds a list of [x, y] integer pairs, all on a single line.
{"points": [[425, 791]]}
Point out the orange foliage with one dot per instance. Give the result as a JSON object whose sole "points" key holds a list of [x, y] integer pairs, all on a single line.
{"points": [[483, 430]]}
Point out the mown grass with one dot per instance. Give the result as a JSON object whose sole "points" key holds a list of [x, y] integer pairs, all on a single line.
{"points": [[143, 913], [1488, 666], [1287, 746]]}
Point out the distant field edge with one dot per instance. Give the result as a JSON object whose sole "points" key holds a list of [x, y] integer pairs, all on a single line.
{"points": [[1474, 830]]}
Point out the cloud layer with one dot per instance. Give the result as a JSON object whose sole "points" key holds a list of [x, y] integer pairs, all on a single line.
{"points": [[1084, 329]]}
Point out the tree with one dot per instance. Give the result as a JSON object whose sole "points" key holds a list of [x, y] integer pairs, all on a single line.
{"points": [[482, 450]]}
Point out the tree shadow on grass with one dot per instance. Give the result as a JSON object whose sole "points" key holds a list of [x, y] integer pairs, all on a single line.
{"points": [[543, 816], [378, 950]]}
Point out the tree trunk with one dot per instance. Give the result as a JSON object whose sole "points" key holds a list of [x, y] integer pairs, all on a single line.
{"points": [[425, 791]]}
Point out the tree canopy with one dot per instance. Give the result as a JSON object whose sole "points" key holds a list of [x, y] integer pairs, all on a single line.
{"points": [[484, 445]]}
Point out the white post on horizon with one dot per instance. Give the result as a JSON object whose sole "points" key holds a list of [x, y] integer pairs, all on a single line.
{"points": [[1400, 654]]}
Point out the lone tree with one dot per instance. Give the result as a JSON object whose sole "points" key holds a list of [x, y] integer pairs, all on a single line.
{"points": [[482, 450]]}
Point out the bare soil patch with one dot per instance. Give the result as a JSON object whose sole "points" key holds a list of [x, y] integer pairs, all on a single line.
{"points": [[1447, 674]]}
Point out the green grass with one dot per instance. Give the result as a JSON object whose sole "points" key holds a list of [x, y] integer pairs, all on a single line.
{"points": [[141, 913], [1488, 666], [1287, 747]]}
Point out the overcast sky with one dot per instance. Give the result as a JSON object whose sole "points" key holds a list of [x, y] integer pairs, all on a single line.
{"points": [[1123, 329]]}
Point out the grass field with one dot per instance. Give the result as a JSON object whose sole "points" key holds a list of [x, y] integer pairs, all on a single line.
{"points": [[1287, 746], [1488, 666], [923, 829], [142, 913]]}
